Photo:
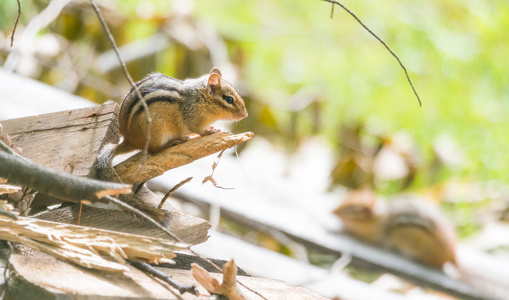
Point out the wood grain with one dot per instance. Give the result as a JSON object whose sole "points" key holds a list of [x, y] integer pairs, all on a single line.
{"points": [[66, 141], [87, 246], [176, 156], [48, 278]]}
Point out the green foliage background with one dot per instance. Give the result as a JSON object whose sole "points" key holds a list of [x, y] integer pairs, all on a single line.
{"points": [[456, 53]]}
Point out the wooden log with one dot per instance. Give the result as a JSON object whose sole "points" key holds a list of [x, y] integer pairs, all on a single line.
{"points": [[47, 278], [23, 172], [176, 156]]}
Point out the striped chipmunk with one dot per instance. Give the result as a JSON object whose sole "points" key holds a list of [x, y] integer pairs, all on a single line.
{"points": [[178, 108]]}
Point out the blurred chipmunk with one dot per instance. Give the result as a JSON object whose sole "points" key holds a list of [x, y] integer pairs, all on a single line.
{"points": [[362, 215], [412, 227]]}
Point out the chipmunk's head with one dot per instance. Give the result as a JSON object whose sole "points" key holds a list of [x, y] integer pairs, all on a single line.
{"points": [[230, 105]]}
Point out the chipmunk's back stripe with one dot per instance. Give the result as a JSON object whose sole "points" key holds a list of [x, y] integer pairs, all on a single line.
{"points": [[150, 91], [155, 89], [152, 95], [145, 87]]}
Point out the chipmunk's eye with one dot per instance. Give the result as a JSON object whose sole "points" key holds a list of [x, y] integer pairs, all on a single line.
{"points": [[228, 99]]}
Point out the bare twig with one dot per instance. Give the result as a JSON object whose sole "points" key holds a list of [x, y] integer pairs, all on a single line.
{"points": [[25, 41], [211, 176], [20, 171], [145, 149], [148, 269], [164, 229], [143, 215], [381, 41], [129, 78], [9, 215], [16, 23], [173, 190]]}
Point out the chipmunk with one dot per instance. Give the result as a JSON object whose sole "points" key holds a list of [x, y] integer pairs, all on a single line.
{"points": [[362, 215], [414, 228], [178, 108], [418, 230]]}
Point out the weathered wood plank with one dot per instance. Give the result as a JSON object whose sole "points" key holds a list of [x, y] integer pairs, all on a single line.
{"points": [[190, 229], [92, 248], [47, 278], [66, 141]]}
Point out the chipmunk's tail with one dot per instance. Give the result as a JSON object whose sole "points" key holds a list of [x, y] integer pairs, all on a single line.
{"points": [[102, 169]]}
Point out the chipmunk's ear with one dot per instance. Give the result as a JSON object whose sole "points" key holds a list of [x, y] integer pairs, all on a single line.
{"points": [[216, 71], [214, 82]]}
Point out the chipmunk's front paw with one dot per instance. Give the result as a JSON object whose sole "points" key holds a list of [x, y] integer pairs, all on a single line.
{"points": [[210, 130]]}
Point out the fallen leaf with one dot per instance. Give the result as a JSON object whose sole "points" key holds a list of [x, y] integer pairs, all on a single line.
{"points": [[229, 286]]}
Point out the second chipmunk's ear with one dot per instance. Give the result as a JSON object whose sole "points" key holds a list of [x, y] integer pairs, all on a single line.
{"points": [[214, 82], [216, 71]]}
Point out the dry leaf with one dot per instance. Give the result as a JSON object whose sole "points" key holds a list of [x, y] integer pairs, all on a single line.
{"points": [[229, 286], [203, 277]]}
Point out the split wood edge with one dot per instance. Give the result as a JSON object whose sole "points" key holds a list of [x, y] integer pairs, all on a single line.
{"points": [[85, 246], [156, 164]]}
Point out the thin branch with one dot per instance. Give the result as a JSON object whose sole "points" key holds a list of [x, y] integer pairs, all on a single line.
{"points": [[148, 269], [211, 176], [23, 172], [381, 41], [145, 149], [164, 229], [16, 23], [25, 41], [173, 190], [129, 78], [8, 214], [143, 215]]}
